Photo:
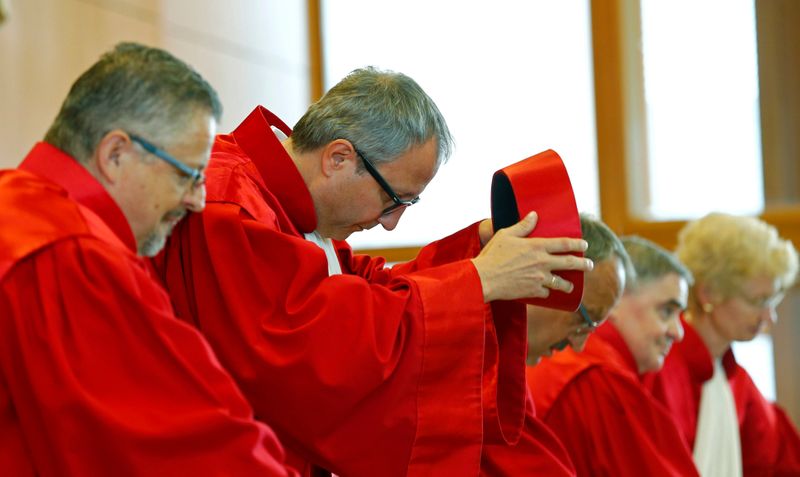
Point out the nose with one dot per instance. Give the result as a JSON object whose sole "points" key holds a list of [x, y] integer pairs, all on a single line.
{"points": [[675, 329], [390, 220], [578, 341], [195, 198]]}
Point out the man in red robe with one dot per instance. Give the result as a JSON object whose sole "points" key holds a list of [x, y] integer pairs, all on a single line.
{"points": [[595, 401], [360, 368], [742, 268], [97, 377], [539, 451]]}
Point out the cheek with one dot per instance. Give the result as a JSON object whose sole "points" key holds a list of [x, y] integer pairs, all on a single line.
{"points": [[578, 341], [736, 323]]}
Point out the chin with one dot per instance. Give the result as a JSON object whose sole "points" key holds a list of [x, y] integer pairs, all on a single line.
{"points": [[341, 236], [656, 366], [746, 336], [152, 245]]}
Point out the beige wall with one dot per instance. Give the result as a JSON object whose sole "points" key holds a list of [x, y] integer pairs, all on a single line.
{"points": [[252, 51]]}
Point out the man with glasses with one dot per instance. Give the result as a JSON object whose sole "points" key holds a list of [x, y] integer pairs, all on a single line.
{"points": [[741, 268], [539, 451], [361, 369], [97, 377], [595, 400]]}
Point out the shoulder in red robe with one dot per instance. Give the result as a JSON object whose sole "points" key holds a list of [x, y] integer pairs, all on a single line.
{"points": [[378, 371], [97, 377], [598, 407], [770, 442]]}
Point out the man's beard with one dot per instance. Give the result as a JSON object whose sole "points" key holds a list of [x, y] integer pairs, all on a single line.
{"points": [[154, 242]]}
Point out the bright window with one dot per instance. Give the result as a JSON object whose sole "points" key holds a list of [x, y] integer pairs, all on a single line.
{"points": [[511, 78], [701, 93], [703, 124], [757, 358]]}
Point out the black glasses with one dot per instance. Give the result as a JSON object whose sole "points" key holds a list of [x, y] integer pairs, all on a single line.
{"points": [[196, 175], [590, 325], [398, 202]]}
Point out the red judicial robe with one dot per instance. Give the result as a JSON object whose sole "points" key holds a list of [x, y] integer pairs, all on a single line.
{"points": [[608, 421], [378, 371], [538, 452], [97, 377], [770, 442]]}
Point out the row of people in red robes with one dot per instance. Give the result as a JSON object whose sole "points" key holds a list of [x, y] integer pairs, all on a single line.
{"points": [[626, 404], [351, 364], [289, 351]]}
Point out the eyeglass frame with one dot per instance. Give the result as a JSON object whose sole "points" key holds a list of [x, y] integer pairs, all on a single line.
{"points": [[196, 175], [761, 304], [373, 171], [590, 325]]}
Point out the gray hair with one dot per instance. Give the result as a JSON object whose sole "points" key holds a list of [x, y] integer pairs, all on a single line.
{"points": [[604, 244], [135, 88], [383, 113], [652, 262]]}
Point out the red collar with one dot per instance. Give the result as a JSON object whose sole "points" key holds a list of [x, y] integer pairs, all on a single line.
{"points": [[697, 356], [51, 163], [277, 169]]}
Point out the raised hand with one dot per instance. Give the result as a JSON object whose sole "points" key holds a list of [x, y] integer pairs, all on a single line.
{"points": [[513, 266]]}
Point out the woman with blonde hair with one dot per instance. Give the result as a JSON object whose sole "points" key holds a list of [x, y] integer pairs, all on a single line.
{"points": [[742, 269]]}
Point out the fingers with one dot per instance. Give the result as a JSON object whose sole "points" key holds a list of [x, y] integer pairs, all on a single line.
{"points": [[562, 244], [485, 231], [570, 262], [524, 227], [560, 284]]}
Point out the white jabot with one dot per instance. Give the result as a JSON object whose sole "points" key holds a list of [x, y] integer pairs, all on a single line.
{"points": [[717, 446], [326, 244]]}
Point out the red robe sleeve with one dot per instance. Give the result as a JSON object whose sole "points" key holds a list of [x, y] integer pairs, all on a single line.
{"points": [[770, 443], [372, 372], [504, 365], [538, 452], [788, 459], [464, 244], [611, 428], [99, 378]]}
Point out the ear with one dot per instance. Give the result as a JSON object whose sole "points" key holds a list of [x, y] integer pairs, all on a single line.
{"points": [[107, 158], [706, 295], [338, 155]]}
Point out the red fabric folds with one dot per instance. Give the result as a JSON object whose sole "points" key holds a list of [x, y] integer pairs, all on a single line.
{"points": [[538, 452], [606, 419], [770, 442], [97, 377], [373, 372]]}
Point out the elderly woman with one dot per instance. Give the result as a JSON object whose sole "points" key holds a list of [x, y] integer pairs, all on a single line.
{"points": [[742, 269]]}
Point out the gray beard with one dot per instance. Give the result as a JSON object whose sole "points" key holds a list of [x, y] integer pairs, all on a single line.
{"points": [[152, 245]]}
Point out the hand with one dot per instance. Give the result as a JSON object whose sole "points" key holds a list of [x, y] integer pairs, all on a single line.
{"points": [[485, 231], [513, 266]]}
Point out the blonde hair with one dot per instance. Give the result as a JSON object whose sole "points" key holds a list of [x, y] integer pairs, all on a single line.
{"points": [[723, 251]]}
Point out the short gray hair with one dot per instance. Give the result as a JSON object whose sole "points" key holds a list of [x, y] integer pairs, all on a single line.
{"points": [[604, 244], [652, 262], [132, 87], [383, 113]]}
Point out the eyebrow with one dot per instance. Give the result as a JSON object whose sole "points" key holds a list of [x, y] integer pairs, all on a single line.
{"points": [[674, 303]]}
